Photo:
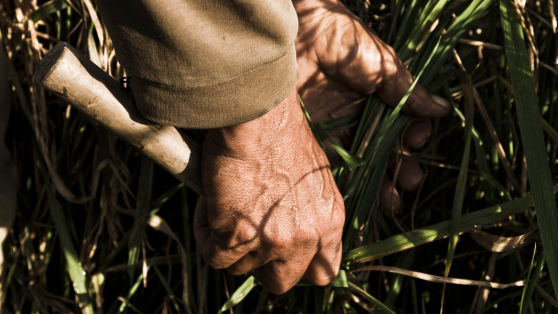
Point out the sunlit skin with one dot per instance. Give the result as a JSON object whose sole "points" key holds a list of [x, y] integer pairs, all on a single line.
{"points": [[272, 205], [272, 208], [341, 62]]}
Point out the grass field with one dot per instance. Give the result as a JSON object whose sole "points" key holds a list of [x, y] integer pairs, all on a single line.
{"points": [[480, 236]]}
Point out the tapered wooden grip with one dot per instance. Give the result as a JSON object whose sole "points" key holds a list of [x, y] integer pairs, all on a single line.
{"points": [[70, 75]]}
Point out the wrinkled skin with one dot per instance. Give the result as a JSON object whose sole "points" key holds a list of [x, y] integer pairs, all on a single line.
{"points": [[271, 206], [341, 62]]}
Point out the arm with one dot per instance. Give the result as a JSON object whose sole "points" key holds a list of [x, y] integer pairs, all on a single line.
{"points": [[272, 206]]}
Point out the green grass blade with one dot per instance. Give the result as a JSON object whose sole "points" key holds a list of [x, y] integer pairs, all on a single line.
{"points": [[550, 130], [531, 135], [532, 281], [522, 307], [388, 123], [132, 291], [239, 294], [459, 196], [167, 288], [340, 281], [508, 296], [48, 8], [351, 160], [74, 267], [479, 150], [310, 124], [422, 28], [370, 191], [457, 29], [371, 299], [142, 213], [410, 239]]}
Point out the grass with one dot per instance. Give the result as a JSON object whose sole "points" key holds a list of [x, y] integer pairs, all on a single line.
{"points": [[94, 234]]}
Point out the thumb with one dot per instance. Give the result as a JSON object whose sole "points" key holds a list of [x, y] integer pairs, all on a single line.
{"points": [[366, 64], [395, 83]]}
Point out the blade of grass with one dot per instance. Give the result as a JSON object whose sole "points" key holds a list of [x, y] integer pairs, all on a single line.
{"points": [[142, 213], [422, 28], [351, 160], [263, 296], [132, 291], [167, 288], [522, 304], [440, 279], [358, 216], [550, 130], [435, 232], [239, 294], [457, 29], [398, 279], [386, 125], [74, 267], [479, 150], [312, 127], [48, 8], [532, 282], [370, 298], [159, 224], [459, 196], [508, 296], [382, 142], [531, 135]]}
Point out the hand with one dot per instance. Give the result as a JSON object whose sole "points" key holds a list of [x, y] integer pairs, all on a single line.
{"points": [[342, 61], [272, 206]]}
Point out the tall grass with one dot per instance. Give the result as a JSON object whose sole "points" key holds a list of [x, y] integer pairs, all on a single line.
{"points": [[100, 229]]}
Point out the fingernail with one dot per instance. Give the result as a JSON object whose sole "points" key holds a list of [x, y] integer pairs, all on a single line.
{"points": [[441, 101]]}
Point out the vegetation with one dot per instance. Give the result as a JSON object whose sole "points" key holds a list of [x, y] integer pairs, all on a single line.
{"points": [[113, 241]]}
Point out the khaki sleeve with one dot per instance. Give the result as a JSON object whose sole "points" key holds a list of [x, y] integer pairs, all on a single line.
{"points": [[205, 63]]}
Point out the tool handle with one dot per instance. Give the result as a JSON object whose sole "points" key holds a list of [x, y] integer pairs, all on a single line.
{"points": [[71, 76]]}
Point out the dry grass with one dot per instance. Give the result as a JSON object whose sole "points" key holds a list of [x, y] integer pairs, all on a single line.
{"points": [[81, 242]]}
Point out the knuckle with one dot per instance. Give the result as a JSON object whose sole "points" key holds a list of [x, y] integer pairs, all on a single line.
{"points": [[328, 278], [243, 235], [278, 288], [308, 240], [235, 270], [214, 262], [282, 240]]}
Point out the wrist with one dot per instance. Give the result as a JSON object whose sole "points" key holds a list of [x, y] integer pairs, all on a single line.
{"points": [[274, 128]]}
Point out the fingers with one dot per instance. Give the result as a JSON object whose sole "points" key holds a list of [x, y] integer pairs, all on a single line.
{"points": [[324, 267], [281, 275], [409, 177], [417, 133], [389, 196], [216, 253], [395, 83], [366, 64], [249, 262]]}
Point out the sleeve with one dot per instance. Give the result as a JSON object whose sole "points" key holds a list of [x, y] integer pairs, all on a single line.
{"points": [[205, 63]]}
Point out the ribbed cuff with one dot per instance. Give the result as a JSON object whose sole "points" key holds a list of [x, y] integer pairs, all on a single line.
{"points": [[244, 98]]}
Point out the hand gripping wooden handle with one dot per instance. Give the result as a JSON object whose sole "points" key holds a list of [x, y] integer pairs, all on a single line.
{"points": [[71, 76]]}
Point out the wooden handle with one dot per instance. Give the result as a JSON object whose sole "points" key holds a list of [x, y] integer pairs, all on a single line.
{"points": [[74, 78]]}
